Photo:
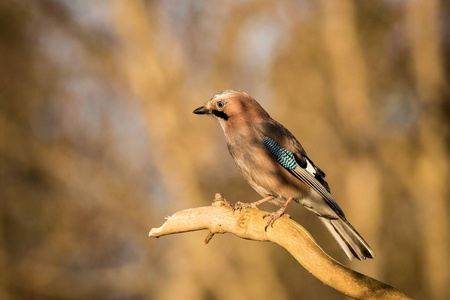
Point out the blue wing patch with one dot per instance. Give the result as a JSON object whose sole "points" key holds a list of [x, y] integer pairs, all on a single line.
{"points": [[283, 156]]}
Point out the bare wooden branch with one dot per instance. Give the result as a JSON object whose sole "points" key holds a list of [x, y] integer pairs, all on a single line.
{"points": [[249, 224]]}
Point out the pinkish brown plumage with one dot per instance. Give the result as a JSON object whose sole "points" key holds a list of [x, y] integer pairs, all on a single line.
{"points": [[275, 164]]}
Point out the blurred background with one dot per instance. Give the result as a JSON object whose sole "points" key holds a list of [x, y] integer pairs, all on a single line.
{"points": [[98, 142]]}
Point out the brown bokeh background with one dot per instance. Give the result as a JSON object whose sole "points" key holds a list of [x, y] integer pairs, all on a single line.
{"points": [[99, 143]]}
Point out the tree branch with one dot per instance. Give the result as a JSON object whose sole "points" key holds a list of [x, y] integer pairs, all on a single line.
{"points": [[249, 224]]}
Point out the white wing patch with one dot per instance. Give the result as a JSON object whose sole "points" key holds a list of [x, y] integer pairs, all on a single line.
{"points": [[310, 168]]}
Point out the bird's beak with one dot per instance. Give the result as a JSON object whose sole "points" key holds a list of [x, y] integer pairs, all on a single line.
{"points": [[201, 111]]}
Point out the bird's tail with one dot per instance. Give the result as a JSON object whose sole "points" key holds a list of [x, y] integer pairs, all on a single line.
{"points": [[348, 238]]}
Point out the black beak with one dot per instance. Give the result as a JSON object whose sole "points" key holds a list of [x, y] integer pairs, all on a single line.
{"points": [[201, 111]]}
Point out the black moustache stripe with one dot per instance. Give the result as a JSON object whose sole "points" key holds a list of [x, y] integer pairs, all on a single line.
{"points": [[220, 114]]}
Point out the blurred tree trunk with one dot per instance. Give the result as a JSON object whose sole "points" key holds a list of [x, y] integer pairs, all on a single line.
{"points": [[55, 191], [431, 177], [356, 118], [152, 81]]}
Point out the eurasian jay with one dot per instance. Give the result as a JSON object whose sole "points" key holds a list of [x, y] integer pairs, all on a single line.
{"points": [[275, 164]]}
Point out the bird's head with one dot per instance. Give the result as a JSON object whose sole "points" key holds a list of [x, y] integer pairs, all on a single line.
{"points": [[232, 107]]}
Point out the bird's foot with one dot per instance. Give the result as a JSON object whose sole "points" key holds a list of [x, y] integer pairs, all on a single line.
{"points": [[240, 205], [273, 216]]}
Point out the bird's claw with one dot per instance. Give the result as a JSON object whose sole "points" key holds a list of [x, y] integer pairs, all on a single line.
{"points": [[273, 216], [240, 205]]}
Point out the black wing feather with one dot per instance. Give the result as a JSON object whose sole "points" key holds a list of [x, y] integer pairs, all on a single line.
{"points": [[311, 181]]}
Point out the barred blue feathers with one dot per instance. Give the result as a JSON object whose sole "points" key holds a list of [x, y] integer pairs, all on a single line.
{"points": [[283, 156]]}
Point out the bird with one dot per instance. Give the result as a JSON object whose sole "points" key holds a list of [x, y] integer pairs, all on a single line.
{"points": [[278, 168]]}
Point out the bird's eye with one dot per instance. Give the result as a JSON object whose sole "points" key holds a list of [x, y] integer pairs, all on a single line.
{"points": [[220, 104]]}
